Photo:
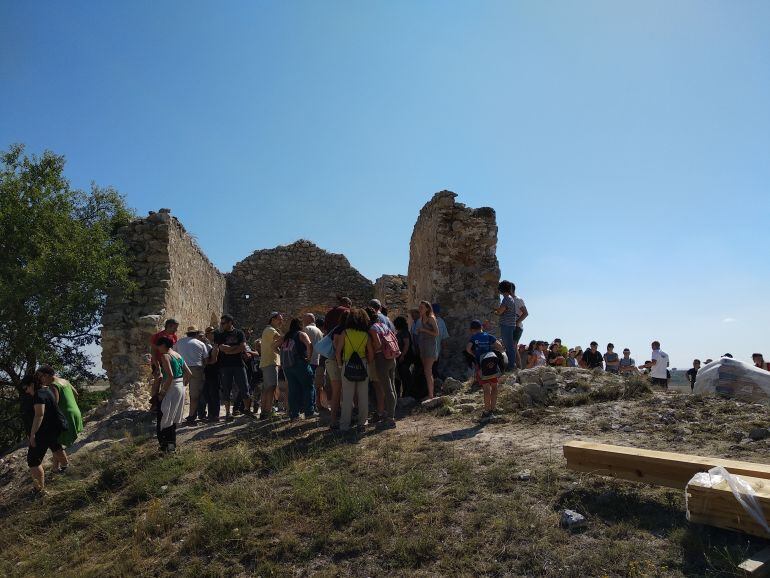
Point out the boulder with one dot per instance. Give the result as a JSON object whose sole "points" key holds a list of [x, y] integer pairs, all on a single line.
{"points": [[571, 520]]}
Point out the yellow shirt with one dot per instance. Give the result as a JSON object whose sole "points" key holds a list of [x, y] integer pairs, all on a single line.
{"points": [[269, 357]]}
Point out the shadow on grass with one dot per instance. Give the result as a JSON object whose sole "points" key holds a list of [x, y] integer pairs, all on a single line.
{"points": [[458, 434]]}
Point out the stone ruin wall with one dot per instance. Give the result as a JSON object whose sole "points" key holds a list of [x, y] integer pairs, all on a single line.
{"points": [[391, 290], [453, 262], [173, 278], [292, 279]]}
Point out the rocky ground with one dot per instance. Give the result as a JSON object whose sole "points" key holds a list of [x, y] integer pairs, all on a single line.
{"points": [[442, 494]]}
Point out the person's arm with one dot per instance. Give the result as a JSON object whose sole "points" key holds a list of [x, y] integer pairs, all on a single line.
{"points": [[370, 352], [431, 329], [523, 314], [469, 348], [374, 338], [36, 422], [500, 309], [308, 345], [339, 344], [168, 377], [213, 355], [186, 374], [233, 349]]}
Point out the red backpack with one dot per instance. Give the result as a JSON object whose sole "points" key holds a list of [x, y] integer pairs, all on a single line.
{"points": [[389, 341]]}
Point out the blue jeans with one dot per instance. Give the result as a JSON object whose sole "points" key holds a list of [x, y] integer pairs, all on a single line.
{"points": [[301, 390], [509, 341]]}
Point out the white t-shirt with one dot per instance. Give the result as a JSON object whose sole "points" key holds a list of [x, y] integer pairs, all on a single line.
{"points": [[193, 351], [659, 369], [315, 335], [519, 303]]}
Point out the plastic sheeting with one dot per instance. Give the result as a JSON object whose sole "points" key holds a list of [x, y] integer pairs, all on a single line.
{"points": [[734, 379]]}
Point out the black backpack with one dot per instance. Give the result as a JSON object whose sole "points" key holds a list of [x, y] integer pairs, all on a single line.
{"points": [[355, 370], [489, 366]]}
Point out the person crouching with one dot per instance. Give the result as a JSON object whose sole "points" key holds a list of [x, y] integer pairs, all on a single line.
{"points": [[486, 350]]}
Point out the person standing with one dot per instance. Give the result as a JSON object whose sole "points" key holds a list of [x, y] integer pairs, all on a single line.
{"points": [[428, 331], [211, 377], [296, 351], [442, 340], [175, 376], [759, 361], [270, 361], [381, 317], [315, 335], [611, 360], [521, 315], [354, 358], [65, 395], [195, 355], [507, 313], [168, 331], [385, 344], [592, 359], [232, 371], [44, 423], [692, 373], [404, 361], [658, 366], [334, 315]]}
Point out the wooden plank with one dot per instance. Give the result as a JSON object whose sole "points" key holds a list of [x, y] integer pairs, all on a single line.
{"points": [[717, 506], [758, 565], [668, 469]]}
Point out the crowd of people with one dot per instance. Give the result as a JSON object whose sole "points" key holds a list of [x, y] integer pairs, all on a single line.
{"points": [[306, 365]]}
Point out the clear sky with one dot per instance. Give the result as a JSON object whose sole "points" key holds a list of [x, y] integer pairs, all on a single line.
{"points": [[625, 146]]}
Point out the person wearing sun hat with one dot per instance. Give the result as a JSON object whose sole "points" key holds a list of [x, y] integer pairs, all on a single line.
{"points": [[195, 353]]}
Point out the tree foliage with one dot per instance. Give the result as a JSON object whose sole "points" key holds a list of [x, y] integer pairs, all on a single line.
{"points": [[59, 256]]}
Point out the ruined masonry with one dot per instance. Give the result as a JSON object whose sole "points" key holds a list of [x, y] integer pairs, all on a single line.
{"points": [[452, 261]]}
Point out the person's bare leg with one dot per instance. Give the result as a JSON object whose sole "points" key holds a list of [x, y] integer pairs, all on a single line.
{"points": [[335, 403], [60, 459], [268, 395], [493, 397], [427, 364], [487, 397], [38, 476]]}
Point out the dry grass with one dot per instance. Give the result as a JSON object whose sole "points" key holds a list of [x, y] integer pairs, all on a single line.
{"points": [[290, 502]]}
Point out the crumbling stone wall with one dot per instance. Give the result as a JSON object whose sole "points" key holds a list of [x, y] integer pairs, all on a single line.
{"points": [[292, 279], [391, 290], [173, 278], [453, 262]]}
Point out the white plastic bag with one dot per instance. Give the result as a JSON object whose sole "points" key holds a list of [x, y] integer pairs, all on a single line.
{"points": [[740, 488]]}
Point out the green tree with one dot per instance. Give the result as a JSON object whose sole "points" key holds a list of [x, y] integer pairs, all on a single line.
{"points": [[59, 256]]}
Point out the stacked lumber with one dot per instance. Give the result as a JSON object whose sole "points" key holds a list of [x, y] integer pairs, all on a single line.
{"points": [[715, 505], [668, 469]]}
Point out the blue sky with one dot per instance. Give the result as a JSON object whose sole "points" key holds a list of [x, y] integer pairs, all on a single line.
{"points": [[624, 145]]}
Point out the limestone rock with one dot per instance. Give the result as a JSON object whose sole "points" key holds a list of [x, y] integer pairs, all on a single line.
{"points": [[434, 403], [571, 520]]}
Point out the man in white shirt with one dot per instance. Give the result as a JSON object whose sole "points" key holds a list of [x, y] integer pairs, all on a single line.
{"points": [[658, 366], [315, 335], [195, 353]]}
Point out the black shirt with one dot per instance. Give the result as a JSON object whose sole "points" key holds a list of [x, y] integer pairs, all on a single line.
{"points": [[52, 424], [692, 374], [592, 358], [234, 337]]}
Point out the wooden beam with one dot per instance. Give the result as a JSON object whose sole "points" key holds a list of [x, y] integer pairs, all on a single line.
{"points": [[668, 469], [758, 565], [717, 506]]}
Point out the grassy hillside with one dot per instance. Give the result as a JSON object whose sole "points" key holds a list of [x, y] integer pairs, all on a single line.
{"points": [[438, 496]]}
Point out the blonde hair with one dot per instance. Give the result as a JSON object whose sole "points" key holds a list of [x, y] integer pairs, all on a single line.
{"points": [[429, 307]]}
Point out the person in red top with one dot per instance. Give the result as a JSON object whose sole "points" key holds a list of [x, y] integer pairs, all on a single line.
{"points": [[759, 361], [334, 315], [169, 331]]}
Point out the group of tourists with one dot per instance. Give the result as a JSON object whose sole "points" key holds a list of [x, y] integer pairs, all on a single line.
{"points": [[333, 364], [51, 419]]}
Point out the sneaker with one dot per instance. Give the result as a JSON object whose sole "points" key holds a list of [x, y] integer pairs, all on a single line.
{"points": [[248, 412], [237, 412], [190, 420], [63, 469], [171, 448], [312, 415], [388, 423], [230, 417], [375, 418]]}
